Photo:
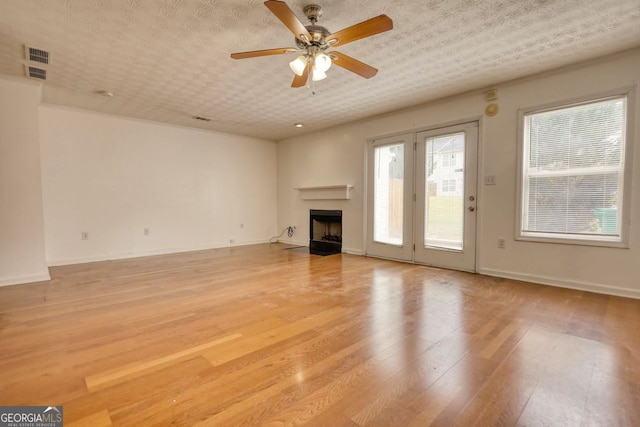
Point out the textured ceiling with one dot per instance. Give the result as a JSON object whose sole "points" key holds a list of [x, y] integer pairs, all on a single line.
{"points": [[169, 60]]}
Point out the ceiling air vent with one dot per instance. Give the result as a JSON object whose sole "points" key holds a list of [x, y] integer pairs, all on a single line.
{"points": [[36, 73], [34, 54]]}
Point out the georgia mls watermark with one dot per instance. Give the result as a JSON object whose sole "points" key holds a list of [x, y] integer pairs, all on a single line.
{"points": [[30, 416]]}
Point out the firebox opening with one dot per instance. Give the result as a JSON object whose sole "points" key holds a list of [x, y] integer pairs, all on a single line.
{"points": [[325, 232]]}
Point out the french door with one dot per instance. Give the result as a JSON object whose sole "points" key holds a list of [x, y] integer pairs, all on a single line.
{"points": [[389, 196], [421, 198]]}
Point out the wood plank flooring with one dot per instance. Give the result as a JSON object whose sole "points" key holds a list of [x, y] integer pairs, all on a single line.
{"points": [[259, 335]]}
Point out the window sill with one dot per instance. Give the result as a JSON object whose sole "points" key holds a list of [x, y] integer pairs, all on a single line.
{"points": [[575, 241]]}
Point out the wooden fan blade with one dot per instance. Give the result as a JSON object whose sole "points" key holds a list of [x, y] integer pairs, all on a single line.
{"points": [[289, 19], [370, 27], [299, 81], [266, 52], [353, 65]]}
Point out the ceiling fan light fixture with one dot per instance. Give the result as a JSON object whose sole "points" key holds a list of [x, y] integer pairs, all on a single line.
{"points": [[298, 65], [317, 74], [322, 62]]}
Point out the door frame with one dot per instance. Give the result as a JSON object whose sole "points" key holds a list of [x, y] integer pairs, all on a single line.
{"points": [[479, 182]]}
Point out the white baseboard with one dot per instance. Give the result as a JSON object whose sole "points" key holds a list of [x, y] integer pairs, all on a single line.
{"points": [[165, 251], [19, 280], [293, 242], [352, 251], [569, 284]]}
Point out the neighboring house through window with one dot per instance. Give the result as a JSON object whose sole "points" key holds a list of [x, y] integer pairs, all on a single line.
{"points": [[449, 185], [445, 162]]}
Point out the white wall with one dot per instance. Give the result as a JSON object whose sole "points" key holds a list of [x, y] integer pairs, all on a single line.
{"points": [[331, 157], [336, 156], [21, 220], [113, 177]]}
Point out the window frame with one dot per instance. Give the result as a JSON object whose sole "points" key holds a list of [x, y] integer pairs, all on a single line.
{"points": [[572, 239]]}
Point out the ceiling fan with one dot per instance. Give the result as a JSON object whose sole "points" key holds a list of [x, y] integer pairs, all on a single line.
{"points": [[313, 40]]}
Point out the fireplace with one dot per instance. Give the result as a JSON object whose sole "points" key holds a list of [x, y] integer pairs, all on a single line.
{"points": [[325, 232]]}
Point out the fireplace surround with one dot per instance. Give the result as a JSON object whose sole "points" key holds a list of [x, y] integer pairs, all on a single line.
{"points": [[325, 232]]}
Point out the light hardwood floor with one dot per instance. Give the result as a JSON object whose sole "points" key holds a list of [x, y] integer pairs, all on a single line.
{"points": [[260, 335]]}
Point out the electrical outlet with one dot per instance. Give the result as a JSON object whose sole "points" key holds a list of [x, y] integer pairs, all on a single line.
{"points": [[241, 226], [232, 241], [84, 235], [146, 231], [501, 243], [489, 180]]}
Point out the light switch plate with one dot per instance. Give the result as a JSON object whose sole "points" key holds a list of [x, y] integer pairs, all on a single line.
{"points": [[489, 180]]}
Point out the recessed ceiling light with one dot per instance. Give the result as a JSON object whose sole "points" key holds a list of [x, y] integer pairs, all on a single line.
{"points": [[105, 93], [298, 125], [201, 118]]}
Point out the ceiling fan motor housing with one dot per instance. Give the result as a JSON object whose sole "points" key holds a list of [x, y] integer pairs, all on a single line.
{"points": [[318, 33], [313, 12]]}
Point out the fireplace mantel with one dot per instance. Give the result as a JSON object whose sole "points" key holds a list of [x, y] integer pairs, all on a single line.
{"points": [[328, 192]]}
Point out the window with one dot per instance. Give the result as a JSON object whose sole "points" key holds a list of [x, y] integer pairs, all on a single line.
{"points": [[572, 172], [448, 160], [448, 185], [388, 184]]}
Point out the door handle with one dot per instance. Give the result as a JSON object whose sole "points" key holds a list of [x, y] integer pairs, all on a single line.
{"points": [[472, 208]]}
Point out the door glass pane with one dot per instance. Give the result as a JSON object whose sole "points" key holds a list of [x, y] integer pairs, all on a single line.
{"points": [[444, 191], [388, 187]]}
